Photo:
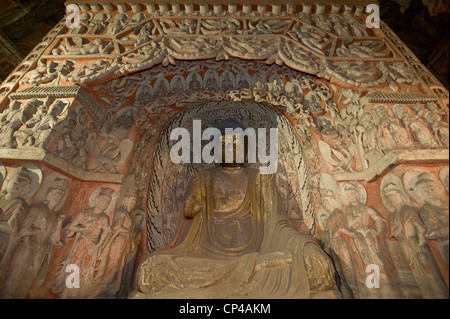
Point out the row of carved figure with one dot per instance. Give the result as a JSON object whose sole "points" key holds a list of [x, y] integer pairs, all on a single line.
{"points": [[29, 124], [345, 26], [410, 247], [37, 117], [103, 244], [374, 133]]}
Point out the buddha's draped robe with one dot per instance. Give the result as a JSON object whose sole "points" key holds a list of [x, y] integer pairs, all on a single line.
{"points": [[253, 252]]}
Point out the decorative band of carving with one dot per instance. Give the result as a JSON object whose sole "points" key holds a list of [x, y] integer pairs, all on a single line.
{"points": [[64, 91], [60, 164], [392, 159], [406, 98], [59, 91], [186, 7]]}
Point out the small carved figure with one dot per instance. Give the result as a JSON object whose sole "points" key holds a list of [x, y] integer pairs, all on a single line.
{"points": [[408, 229], [194, 84], [312, 104], [433, 117], [340, 26], [211, 82], [14, 121], [364, 49], [9, 113], [98, 24], [434, 213], [178, 87], [162, 88], [339, 151], [39, 232], [117, 24], [225, 26], [41, 124], [366, 230], [416, 126], [322, 22], [370, 137], [90, 69], [45, 72], [91, 228], [97, 46], [227, 84], [135, 20], [395, 136], [187, 26], [13, 209], [359, 29], [84, 24], [401, 73], [122, 245], [315, 40], [144, 95]]}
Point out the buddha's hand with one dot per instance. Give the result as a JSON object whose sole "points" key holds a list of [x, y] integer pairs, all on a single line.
{"points": [[319, 269], [274, 259]]}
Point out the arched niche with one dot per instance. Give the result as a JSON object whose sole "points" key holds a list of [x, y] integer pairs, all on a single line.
{"points": [[168, 181]]}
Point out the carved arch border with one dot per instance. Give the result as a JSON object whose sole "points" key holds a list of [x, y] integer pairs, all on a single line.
{"points": [[162, 228]]}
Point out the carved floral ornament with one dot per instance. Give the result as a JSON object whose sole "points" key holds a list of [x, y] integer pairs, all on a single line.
{"points": [[330, 41]]}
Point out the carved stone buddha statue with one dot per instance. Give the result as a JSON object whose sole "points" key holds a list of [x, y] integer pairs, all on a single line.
{"points": [[239, 244]]}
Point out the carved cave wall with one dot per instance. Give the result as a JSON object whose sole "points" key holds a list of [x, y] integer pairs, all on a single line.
{"points": [[94, 106]]}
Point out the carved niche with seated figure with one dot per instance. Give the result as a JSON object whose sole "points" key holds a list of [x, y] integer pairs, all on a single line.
{"points": [[240, 243]]}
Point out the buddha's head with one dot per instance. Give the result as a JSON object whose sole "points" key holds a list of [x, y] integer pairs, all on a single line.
{"points": [[234, 143], [394, 196], [329, 200], [234, 149], [19, 182], [352, 193], [129, 202], [56, 193], [429, 190], [104, 198]]}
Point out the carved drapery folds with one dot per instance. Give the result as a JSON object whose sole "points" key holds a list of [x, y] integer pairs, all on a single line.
{"points": [[86, 119]]}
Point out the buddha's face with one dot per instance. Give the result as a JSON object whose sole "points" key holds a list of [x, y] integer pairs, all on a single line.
{"points": [[329, 201], [430, 192], [17, 186], [102, 202], [395, 199], [323, 220], [54, 197], [382, 111], [352, 195], [129, 203], [236, 150], [367, 120]]}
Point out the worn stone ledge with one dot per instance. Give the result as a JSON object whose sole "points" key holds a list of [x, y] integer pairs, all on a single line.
{"points": [[60, 164], [392, 159]]}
